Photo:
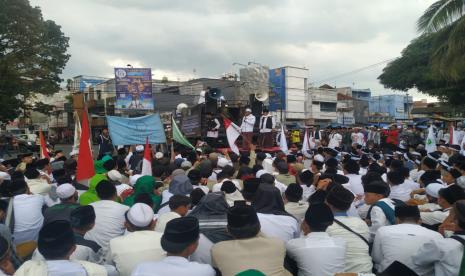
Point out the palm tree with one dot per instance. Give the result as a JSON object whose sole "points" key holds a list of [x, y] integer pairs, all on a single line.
{"points": [[440, 14], [445, 21]]}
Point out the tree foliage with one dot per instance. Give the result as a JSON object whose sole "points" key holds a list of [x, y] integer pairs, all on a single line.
{"points": [[415, 69], [32, 56], [434, 63]]}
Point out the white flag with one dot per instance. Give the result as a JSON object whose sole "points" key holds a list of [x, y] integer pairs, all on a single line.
{"points": [[77, 132], [306, 145], [283, 142], [430, 143]]}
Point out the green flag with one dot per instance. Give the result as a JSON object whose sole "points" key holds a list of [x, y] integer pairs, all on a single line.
{"points": [[178, 136]]}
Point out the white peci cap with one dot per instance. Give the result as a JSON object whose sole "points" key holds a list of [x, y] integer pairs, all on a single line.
{"points": [[65, 191], [139, 148], [140, 215]]}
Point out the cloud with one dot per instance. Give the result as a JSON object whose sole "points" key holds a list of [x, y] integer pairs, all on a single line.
{"points": [[175, 37]]}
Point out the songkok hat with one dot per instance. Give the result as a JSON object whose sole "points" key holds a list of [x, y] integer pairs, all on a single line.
{"points": [[340, 198], [82, 216], [228, 187], [377, 187], [140, 215], [291, 158], [331, 162], [242, 216], [319, 215], [452, 193], [406, 211], [179, 234], [251, 185], [433, 189], [65, 191], [54, 237]]}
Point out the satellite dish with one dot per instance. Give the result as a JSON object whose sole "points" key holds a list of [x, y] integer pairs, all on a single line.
{"points": [[180, 107], [261, 97]]}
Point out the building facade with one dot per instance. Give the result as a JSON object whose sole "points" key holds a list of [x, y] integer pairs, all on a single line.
{"points": [[398, 107]]}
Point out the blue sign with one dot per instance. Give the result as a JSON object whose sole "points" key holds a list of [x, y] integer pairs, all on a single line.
{"points": [[134, 131], [84, 83], [277, 99]]}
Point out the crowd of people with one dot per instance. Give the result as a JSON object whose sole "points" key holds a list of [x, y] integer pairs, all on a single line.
{"points": [[371, 208]]}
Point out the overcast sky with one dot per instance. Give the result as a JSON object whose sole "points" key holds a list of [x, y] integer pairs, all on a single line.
{"points": [[176, 38]]}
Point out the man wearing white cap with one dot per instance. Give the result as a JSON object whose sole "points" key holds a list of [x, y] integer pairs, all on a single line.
{"points": [[142, 244], [135, 162], [68, 197], [248, 122]]}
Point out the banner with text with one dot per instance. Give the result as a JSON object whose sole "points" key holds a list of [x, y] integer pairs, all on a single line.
{"points": [[134, 131], [134, 88]]}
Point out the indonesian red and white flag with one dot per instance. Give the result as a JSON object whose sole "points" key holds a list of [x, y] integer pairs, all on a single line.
{"points": [[232, 133], [147, 161], [43, 146], [85, 164]]}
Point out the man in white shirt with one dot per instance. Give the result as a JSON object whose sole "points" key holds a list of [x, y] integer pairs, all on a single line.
{"points": [[399, 242], [27, 208], [445, 256], [335, 139], [381, 212], [56, 243], [248, 122], [292, 201], [267, 125], [110, 216], [447, 197], [179, 206], [180, 240], [357, 259], [141, 244], [317, 253], [351, 170], [358, 137], [399, 190]]}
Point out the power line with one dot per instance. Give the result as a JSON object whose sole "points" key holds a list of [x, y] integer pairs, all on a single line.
{"points": [[355, 71]]}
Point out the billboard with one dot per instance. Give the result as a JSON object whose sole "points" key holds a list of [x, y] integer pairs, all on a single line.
{"points": [[134, 88], [277, 99]]}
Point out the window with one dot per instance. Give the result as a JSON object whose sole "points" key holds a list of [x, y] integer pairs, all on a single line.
{"points": [[327, 107]]}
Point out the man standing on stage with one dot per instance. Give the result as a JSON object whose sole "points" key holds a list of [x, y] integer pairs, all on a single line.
{"points": [[248, 121], [267, 125], [213, 125]]}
